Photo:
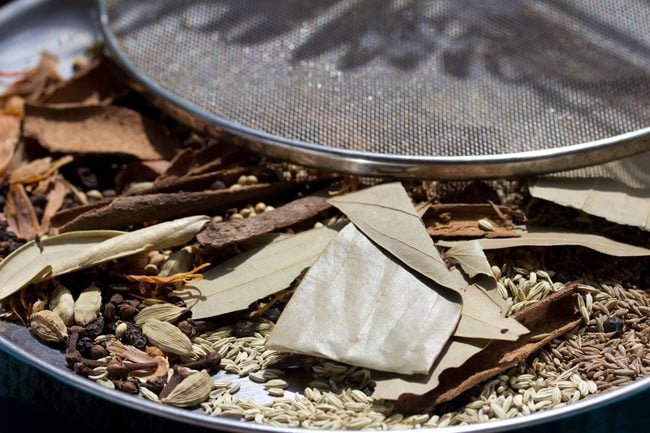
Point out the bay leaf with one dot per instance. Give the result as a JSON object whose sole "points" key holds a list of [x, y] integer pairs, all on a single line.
{"points": [[606, 198], [386, 215], [29, 265], [471, 258], [549, 237], [240, 281], [78, 250], [483, 318], [552, 317], [358, 305], [456, 352]]}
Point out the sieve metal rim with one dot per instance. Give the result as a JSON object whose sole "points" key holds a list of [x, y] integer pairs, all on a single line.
{"points": [[505, 165]]}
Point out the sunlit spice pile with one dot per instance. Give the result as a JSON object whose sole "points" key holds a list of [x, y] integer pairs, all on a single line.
{"points": [[161, 262]]}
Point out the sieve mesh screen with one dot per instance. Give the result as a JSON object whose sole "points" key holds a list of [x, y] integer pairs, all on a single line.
{"points": [[419, 78]]}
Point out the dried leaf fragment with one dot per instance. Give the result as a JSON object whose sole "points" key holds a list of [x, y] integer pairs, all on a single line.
{"points": [[360, 306], [553, 316], [167, 337], [242, 280], [48, 326], [386, 215], [78, 250], [192, 391], [605, 198], [549, 237]]}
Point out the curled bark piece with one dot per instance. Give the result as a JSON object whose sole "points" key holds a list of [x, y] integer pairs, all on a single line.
{"points": [[553, 316], [472, 220], [97, 83], [20, 214], [229, 232], [136, 209], [98, 130]]}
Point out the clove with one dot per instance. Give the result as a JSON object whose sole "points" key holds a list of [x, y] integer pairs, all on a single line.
{"points": [[211, 362], [74, 357], [118, 369], [73, 337], [128, 386]]}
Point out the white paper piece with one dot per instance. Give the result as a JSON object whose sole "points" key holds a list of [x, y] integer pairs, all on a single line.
{"points": [[356, 305]]}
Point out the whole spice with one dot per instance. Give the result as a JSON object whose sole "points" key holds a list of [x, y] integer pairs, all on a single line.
{"points": [[94, 329], [87, 305], [133, 335], [614, 324], [62, 303], [167, 337], [177, 377], [192, 391], [165, 312], [118, 369], [48, 326], [211, 362]]}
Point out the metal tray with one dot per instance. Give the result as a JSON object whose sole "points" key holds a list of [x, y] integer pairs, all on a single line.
{"points": [[66, 28]]}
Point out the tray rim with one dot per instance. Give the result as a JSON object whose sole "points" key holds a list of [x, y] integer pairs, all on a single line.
{"points": [[68, 377]]}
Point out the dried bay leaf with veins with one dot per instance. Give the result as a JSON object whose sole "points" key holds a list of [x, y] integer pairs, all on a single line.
{"points": [[455, 353], [77, 250], [483, 317], [386, 215], [471, 258], [606, 198], [551, 317], [28, 265], [257, 273], [549, 237], [358, 305]]}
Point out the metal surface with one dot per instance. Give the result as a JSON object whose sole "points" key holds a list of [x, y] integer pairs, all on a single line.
{"points": [[16, 339], [34, 18], [410, 88]]}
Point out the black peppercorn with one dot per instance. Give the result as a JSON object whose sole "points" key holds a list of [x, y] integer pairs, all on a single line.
{"points": [[94, 329], [273, 314], [614, 324], [244, 328], [134, 336], [84, 344]]}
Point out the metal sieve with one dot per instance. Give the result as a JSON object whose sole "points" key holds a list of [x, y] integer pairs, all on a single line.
{"points": [[405, 88]]}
